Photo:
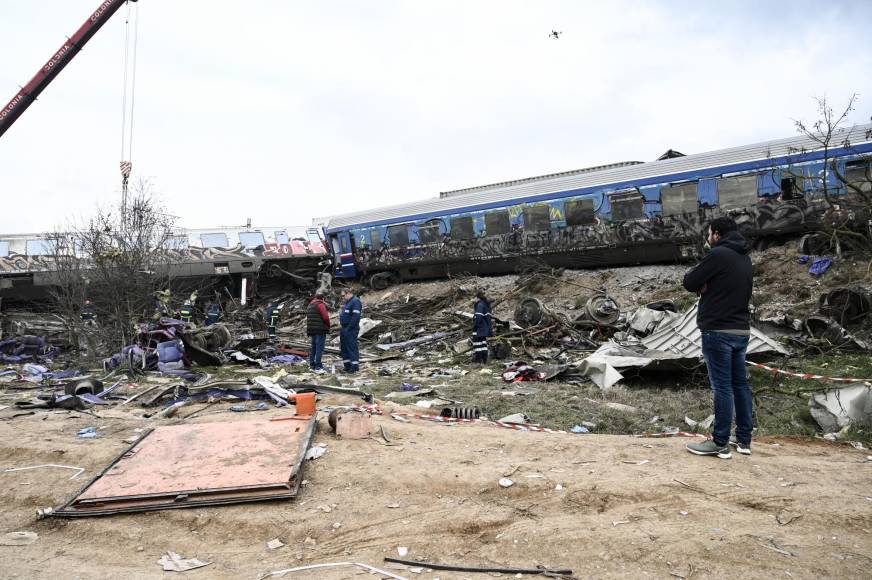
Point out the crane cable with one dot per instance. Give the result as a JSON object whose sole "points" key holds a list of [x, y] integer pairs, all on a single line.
{"points": [[129, 85]]}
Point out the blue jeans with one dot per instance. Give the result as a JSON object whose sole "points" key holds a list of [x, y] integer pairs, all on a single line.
{"points": [[724, 355], [316, 351]]}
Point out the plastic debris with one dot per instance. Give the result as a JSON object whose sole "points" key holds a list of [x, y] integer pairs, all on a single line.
{"points": [[506, 482], [316, 451], [86, 433], [402, 551], [275, 544], [579, 429], [172, 562], [819, 266]]}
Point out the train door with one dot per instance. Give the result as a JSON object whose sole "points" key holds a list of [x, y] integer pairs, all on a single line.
{"points": [[341, 243]]}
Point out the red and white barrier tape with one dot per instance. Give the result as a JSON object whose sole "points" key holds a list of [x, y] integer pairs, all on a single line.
{"points": [[808, 375]]}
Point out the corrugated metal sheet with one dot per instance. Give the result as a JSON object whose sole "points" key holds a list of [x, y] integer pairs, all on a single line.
{"points": [[684, 337], [690, 163]]}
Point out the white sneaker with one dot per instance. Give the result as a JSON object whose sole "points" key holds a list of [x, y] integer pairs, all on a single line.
{"points": [[740, 447], [320, 372]]}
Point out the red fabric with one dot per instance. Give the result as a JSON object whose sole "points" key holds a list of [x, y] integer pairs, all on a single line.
{"points": [[322, 310]]}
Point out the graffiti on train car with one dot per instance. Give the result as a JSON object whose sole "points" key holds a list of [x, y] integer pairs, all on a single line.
{"points": [[15, 263], [294, 248], [770, 216]]}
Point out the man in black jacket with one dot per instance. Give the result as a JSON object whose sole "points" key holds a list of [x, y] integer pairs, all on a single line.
{"points": [[723, 280]]}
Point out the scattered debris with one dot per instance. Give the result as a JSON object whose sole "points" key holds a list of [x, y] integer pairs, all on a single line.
{"points": [[172, 562], [316, 451], [274, 544], [78, 470], [488, 570], [368, 568], [836, 409], [506, 482]]}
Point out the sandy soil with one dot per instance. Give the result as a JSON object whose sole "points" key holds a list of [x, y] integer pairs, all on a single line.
{"points": [[628, 507]]}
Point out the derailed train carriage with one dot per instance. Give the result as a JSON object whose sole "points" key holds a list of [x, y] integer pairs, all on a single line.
{"points": [[236, 258], [622, 214]]}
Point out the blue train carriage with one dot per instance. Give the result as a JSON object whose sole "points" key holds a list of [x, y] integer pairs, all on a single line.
{"points": [[621, 214]]}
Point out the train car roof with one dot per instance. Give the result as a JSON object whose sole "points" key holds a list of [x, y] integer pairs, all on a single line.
{"points": [[533, 189]]}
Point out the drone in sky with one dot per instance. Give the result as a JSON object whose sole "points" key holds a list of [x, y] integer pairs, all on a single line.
{"points": [[555, 35]]}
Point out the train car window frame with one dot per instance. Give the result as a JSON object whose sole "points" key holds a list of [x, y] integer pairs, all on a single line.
{"points": [[254, 236], [176, 243], [4, 248], [859, 167], [579, 212], [631, 205], [497, 222], [462, 228], [282, 237], [737, 191], [38, 247], [428, 232], [537, 218], [212, 237], [398, 233], [375, 239], [679, 198]]}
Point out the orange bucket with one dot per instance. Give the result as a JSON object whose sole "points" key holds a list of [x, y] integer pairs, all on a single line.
{"points": [[305, 403]]}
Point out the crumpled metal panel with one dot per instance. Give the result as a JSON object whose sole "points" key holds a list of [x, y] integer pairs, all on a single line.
{"points": [[683, 337], [200, 464]]}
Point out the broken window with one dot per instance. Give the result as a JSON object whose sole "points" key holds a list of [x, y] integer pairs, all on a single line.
{"points": [[38, 248], [428, 233], [791, 188], [398, 235], [627, 205], [679, 199], [251, 239], [214, 240], [176, 243], [4, 249], [737, 192], [579, 212], [375, 238], [462, 228], [282, 238], [497, 222], [859, 174], [537, 217]]}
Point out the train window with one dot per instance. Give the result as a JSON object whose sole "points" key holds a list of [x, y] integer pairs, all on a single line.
{"points": [[214, 240], [462, 228], [375, 238], [251, 239], [679, 199], [313, 236], [537, 217], [859, 174], [629, 205], [579, 212], [737, 192], [38, 248], [176, 243], [4, 249], [398, 235], [282, 238], [497, 222], [428, 233]]}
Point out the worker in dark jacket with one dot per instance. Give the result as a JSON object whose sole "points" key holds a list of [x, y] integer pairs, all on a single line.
{"points": [[723, 280], [213, 313], [482, 327], [273, 314], [349, 322], [89, 317], [317, 327]]}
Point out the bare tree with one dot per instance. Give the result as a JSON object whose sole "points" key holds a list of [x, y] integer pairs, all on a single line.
{"points": [[117, 261]]}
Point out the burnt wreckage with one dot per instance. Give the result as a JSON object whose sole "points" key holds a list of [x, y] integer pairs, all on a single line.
{"points": [[233, 257], [625, 213]]}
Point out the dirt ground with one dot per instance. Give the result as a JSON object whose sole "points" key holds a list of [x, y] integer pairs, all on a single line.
{"points": [[626, 506]]}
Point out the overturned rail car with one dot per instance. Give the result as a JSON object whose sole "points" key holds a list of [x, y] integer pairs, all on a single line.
{"points": [[626, 213], [236, 258]]}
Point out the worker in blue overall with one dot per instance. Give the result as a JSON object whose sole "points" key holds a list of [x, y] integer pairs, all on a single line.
{"points": [[482, 327], [273, 315], [213, 313], [349, 322]]}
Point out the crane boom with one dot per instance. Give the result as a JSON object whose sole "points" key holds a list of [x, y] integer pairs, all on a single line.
{"points": [[61, 58]]}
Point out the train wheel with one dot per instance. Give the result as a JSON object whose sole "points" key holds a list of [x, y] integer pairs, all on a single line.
{"points": [[380, 281]]}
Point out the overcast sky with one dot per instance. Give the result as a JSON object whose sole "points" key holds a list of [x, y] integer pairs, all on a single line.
{"points": [[281, 111]]}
